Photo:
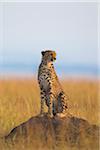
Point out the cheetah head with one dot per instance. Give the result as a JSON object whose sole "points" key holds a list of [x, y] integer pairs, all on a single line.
{"points": [[48, 55]]}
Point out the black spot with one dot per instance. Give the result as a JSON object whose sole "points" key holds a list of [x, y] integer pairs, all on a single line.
{"points": [[49, 83], [41, 88], [42, 97], [61, 93], [50, 93], [41, 93], [66, 107]]}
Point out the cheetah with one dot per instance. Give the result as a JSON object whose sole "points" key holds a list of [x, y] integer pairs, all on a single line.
{"points": [[51, 91]]}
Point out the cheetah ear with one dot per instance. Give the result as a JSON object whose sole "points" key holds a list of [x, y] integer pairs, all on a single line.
{"points": [[42, 53]]}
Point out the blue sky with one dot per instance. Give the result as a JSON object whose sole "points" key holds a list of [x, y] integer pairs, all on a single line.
{"points": [[68, 28]]}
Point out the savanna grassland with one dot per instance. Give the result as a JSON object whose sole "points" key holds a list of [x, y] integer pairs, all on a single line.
{"points": [[20, 100]]}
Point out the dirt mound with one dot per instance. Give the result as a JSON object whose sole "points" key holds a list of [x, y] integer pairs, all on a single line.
{"points": [[54, 133]]}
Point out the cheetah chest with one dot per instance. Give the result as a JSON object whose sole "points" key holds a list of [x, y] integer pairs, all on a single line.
{"points": [[44, 82]]}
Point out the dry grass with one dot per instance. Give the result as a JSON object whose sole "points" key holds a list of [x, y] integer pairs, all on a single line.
{"points": [[19, 100]]}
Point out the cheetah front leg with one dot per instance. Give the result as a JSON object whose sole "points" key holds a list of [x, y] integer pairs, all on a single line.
{"points": [[50, 107], [42, 102]]}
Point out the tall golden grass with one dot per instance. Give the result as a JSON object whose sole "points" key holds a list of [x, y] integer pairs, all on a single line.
{"points": [[20, 100]]}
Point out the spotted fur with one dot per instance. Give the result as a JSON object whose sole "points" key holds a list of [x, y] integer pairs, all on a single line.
{"points": [[51, 91]]}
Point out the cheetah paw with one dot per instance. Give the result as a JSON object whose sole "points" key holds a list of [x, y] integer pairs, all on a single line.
{"points": [[61, 115], [50, 115], [41, 114]]}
